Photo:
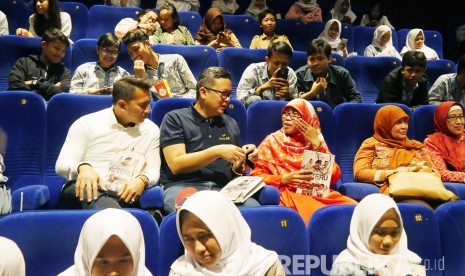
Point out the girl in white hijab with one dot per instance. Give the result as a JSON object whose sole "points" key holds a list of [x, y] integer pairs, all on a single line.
{"points": [[226, 6], [343, 12], [416, 41], [255, 8], [217, 240], [11, 259], [381, 45], [332, 35], [377, 244], [111, 240]]}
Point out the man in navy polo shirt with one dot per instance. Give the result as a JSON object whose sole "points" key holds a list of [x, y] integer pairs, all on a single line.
{"points": [[200, 144]]}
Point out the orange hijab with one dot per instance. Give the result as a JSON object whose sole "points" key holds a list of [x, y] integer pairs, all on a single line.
{"points": [[287, 155], [448, 144], [404, 150]]}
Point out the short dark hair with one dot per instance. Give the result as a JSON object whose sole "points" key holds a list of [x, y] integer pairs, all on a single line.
{"points": [[125, 88], [414, 58], [319, 45], [281, 48], [174, 14], [264, 13], [461, 64], [142, 13], [209, 75], [135, 36], [109, 40], [53, 34]]}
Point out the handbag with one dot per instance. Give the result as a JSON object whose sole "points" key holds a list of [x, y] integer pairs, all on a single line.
{"points": [[418, 185], [5, 200]]}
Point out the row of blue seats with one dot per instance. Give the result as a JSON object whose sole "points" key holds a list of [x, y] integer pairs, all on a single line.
{"points": [[368, 72], [99, 19], [438, 238], [36, 133]]}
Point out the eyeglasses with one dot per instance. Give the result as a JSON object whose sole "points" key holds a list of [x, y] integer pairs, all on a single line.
{"points": [[455, 118], [223, 95], [107, 52], [292, 114]]}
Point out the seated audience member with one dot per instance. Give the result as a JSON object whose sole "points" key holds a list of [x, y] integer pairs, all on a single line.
{"points": [[381, 45], [446, 145], [111, 243], [11, 259], [147, 21], [343, 12], [200, 145], [3, 24], [377, 243], [407, 84], [225, 6], [280, 157], [181, 5], [44, 74], [123, 3], [171, 67], [98, 77], [449, 87], [460, 38], [321, 81], [47, 15], [271, 79], [255, 8], [390, 151], [267, 20], [171, 32], [376, 17], [416, 41], [217, 240], [305, 11], [102, 152], [213, 33], [332, 35]]}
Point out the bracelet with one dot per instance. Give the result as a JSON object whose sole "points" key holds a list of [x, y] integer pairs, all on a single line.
{"points": [[82, 164], [238, 174], [144, 179]]}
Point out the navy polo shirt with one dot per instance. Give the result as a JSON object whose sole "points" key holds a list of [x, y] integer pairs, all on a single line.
{"points": [[187, 126]]}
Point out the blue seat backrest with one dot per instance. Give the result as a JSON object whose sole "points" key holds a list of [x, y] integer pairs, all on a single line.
{"points": [[436, 68], [15, 12], [198, 57], [451, 220], [62, 111], [13, 47], [191, 20], [264, 118], [353, 123], [423, 118], [103, 19], [347, 31], [294, 30], [79, 18], [22, 135], [433, 39], [243, 26], [55, 236]]}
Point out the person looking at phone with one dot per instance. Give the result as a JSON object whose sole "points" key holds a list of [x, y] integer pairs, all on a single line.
{"points": [[269, 80], [319, 80], [98, 77]]}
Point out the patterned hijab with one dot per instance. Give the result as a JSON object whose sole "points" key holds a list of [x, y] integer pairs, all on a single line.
{"points": [[205, 35], [404, 150], [448, 144]]}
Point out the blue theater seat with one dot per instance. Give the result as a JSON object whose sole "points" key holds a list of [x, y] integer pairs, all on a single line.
{"points": [[15, 12], [48, 247], [78, 12], [293, 29], [275, 228], [436, 68], [369, 73], [103, 19], [243, 26], [190, 20]]}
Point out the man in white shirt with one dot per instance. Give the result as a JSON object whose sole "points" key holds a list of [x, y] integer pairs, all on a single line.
{"points": [[88, 157]]}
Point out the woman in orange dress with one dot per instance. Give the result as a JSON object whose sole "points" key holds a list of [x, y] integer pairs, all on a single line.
{"points": [[280, 157]]}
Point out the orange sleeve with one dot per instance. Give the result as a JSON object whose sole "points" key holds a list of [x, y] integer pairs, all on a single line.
{"points": [[261, 170], [363, 170]]}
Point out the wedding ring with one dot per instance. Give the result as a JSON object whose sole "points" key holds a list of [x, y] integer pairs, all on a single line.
{"points": [[132, 201]]}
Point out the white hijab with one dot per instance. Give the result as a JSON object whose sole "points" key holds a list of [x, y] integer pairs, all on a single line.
{"points": [[239, 255], [388, 49], [226, 6], [95, 233], [336, 11], [410, 45], [254, 10], [366, 215], [11, 259], [334, 43]]}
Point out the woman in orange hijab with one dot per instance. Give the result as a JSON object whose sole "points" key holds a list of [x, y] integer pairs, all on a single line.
{"points": [[213, 33], [280, 157], [447, 145], [389, 150]]}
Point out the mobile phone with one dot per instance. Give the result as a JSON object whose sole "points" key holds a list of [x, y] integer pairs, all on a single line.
{"points": [[283, 72]]}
